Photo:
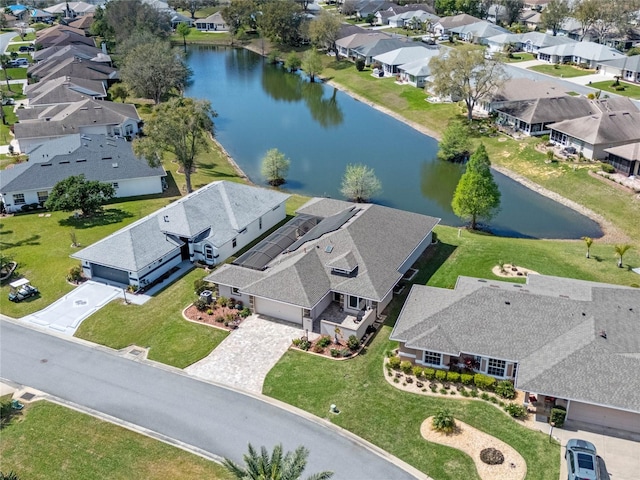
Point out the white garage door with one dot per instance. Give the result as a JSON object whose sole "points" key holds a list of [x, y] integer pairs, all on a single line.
{"points": [[281, 311], [608, 417]]}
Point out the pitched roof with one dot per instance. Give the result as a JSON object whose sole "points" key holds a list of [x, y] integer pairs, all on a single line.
{"points": [[64, 90], [411, 6], [83, 23], [222, 205], [541, 40], [625, 63], [78, 7], [213, 18], [457, 21], [74, 67], [63, 52], [64, 38], [630, 151], [81, 50], [606, 127], [358, 39], [371, 241], [418, 68], [588, 50], [380, 46], [57, 30], [98, 157], [407, 54], [545, 109], [550, 326], [481, 29], [514, 89]]}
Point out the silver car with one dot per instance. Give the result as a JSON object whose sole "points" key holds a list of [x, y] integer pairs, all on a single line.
{"points": [[582, 461]]}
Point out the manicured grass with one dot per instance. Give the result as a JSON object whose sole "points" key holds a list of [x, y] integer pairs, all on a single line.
{"points": [[28, 37], [15, 91], [18, 73], [49, 441], [630, 90], [14, 47], [565, 71], [198, 37], [519, 57], [391, 419], [6, 160], [10, 118], [42, 246], [158, 324]]}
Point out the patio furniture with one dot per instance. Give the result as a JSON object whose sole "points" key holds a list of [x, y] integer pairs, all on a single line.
{"points": [[16, 405]]}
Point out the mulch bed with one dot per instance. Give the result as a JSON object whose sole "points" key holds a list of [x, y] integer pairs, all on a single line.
{"points": [[218, 317]]}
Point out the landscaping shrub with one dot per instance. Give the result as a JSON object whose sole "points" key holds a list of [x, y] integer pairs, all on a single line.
{"points": [[453, 377], [199, 285], [443, 421], [219, 319], [222, 301], [360, 64], [317, 348], [474, 393], [75, 274], [245, 312], [406, 367], [297, 341], [558, 414], [441, 375], [324, 341], [417, 371], [466, 379], [491, 456], [607, 168], [304, 344], [345, 352], [395, 362], [506, 389], [516, 410], [336, 353], [493, 399], [353, 343], [201, 305], [209, 312], [485, 396], [433, 387], [429, 373], [273, 56], [6, 411], [443, 391], [484, 382], [464, 393]]}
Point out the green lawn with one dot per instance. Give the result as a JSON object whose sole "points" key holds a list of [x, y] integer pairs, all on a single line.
{"points": [[18, 73], [198, 37], [10, 119], [14, 47], [6, 160], [158, 324], [14, 91], [519, 57], [49, 441], [565, 71], [28, 37], [630, 90]]}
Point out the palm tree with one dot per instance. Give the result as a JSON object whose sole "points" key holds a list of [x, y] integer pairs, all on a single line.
{"points": [[620, 251], [258, 466], [4, 63], [589, 242]]}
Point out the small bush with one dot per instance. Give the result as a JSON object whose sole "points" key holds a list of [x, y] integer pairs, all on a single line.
{"points": [[492, 456], [324, 341], [245, 312], [353, 343], [273, 56], [474, 393], [516, 410], [199, 285], [493, 399], [484, 382], [417, 371], [317, 348], [433, 387], [219, 319], [297, 341], [74, 274], [485, 396], [453, 377], [441, 375], [464, 393], [607, 168], [222, 301], [443, 421], [406, 367], [409, 380], [345, 352], [395, 362], [209, 312], [360, 64], [506, 389], [429, 373], [558, 415], [443, 391], [201, 305], [466, 379], [304, 344]]}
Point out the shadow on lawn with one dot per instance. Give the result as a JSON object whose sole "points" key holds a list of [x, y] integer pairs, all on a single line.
{"points": [[32, 240], [108, 217]]}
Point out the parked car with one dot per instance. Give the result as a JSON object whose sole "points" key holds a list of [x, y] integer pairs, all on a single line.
{"points": [[443, 38], [11, 101], [582, 462], [19, 62], [22, 289], [26, 48], [428, 39]]}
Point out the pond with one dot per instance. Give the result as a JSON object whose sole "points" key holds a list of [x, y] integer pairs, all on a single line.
{"points": [[321, 130]]}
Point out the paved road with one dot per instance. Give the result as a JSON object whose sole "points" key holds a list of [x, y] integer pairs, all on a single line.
{"points": [[5, 38], [168, 402]]}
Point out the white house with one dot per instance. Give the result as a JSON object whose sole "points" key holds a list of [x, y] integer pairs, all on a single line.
{"points": [[626, 68], [392, 60], [213, 23], [415, 73], [588, 54], [208, 225]]}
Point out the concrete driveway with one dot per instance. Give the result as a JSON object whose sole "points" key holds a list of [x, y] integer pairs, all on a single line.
{"points": [[244, 358]]}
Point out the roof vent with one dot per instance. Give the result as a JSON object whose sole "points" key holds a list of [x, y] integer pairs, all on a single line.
{"points": [[81, 160], [166, 218], [328, 248], [114, 165], [507, 303], [603, 334]]}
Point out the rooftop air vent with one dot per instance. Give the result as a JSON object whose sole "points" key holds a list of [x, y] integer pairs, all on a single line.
{"points": [[328, 248], [114, 165], [603, 334]]}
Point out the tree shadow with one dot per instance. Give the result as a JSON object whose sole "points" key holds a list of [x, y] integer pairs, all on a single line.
{"points": [[431, 261], [172, 187], [107, 217], [32, 240]]}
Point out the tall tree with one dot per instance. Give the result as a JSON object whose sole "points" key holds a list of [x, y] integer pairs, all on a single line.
{"points": [[275, 167], [555, 14], [280, 21], [446, 7], [587, 13], [239, 14], [151, 70], [261, 466], [4, 63], [178, 127], [191, 6], [183, 30], [455, 145], [312, 64], [78, 193], [323, 31], [513, 8], [466, 74], [360, 183], [125, 18], [477, 195]]}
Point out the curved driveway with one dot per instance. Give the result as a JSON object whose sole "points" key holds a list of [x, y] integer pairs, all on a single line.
{"points": [[166, 401]]}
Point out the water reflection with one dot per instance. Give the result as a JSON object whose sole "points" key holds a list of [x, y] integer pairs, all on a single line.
{"points": [[438, 181], [325, 111]]}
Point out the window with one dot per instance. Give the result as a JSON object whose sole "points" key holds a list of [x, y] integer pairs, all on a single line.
{"points": [[496, 367], [115, 185], [235, 290], [432, 358], [208, 252], [354, 302], [18, 199], [234, 243], [42, 196]]}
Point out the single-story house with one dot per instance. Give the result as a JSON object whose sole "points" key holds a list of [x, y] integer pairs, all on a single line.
{"points": [[533, 117], [625, 158], [72, 9], [531, 19], [64, 90], [562, 341], [392, 60], [594, 134], [208, 226], [346, 45], [627, 68], [39, 124], [364, 8], [63, 37], [415, 73], [529, 42], [73, 67], [37, 15], [588, 54], [213, 23], [478, 32], [377, 47], [97, 157], [85, 52], [83, 23], [519, 89], [333, 266], [445, 24], [412, 19]]}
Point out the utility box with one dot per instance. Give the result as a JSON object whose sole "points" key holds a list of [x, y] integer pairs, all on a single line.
{"points": [[207, 296]]}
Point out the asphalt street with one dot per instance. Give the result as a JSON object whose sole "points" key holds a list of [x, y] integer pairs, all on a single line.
{"points": [[168, 402]]}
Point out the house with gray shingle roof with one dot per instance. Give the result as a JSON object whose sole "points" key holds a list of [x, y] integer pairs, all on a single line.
{"points": [[377, 47], [347, 44], [97, 157], [588, 54], [73, 67], [64, 90], [625, 158], [571, 342], [334, 265], [478, 32], [392, 60], [213, 23], [626, 68], [208, 225], [445, 24]]}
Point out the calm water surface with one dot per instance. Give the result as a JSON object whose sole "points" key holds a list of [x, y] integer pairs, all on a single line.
{"points": [[322, 130]]}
